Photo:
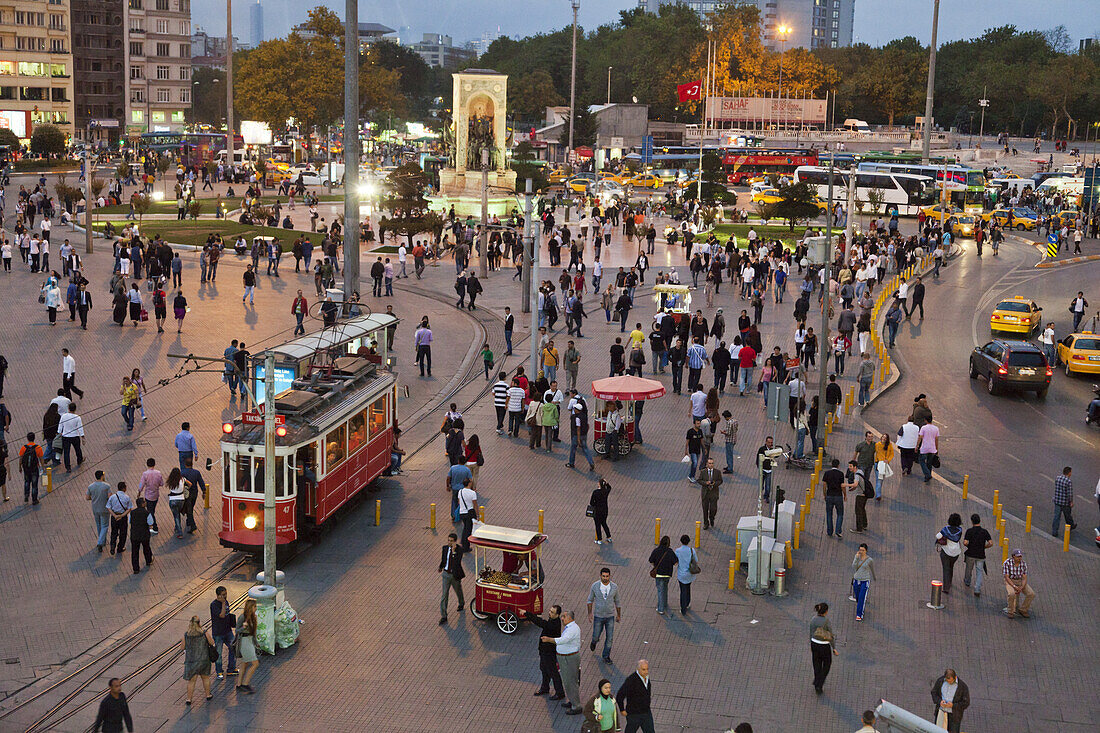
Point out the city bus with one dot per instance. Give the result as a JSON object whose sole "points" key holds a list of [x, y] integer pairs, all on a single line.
{"points": [[965, 186], [902, 193], [193, 148]]}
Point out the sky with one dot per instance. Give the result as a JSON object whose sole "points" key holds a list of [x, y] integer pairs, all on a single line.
{"points": [[876, 21]]}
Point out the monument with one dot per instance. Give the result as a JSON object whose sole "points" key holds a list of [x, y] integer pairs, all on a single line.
{"points": [[478, 122]]}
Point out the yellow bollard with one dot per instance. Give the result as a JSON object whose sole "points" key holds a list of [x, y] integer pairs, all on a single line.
{"points": [[1065, 540], [378, 512], [966, 485], [657, 531], [480, 513], [206, 499], [797, 530], [737, 555], [790, 560], [820, 456], [49, 479], [431, 520], [1000, 511], [996, 499], [1001, 528], [540, 521], [1027, 522], [698, 526], [1004, 550], [733, 571]]}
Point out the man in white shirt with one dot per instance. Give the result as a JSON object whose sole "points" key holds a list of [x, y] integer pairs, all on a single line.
{"points": [[71, 428], [568, 650], [1046, 338], [62, 402], [68, 375], [467, 512], [908, 436], [868, 722]]}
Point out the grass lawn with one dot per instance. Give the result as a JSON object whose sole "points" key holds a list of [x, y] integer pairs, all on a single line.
{"points": [[168, 206], [741, 231], [196, 232]]}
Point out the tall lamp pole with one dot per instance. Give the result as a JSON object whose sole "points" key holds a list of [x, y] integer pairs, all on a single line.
{"points": [[351, 148], [927, 144], [783, 31], [573, 75], [983, 103], [228, 85], [609, 68]]}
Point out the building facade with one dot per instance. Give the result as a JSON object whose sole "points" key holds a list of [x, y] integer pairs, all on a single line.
{"points": [[99, 68], [36, 65], [439, 51], [256, 23], [812, 23], [158, 55]]}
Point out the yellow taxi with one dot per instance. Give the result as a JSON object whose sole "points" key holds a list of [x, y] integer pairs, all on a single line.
{"points": [[558, 175], [1080, 353], [766, 196], [578, 185], [643, 180], [961, 225], [933, 212], [1016, 314], [1019, 218], [1067, 217]]}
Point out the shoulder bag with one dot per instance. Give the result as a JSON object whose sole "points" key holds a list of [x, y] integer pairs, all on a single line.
{"points": [[693, 566]]}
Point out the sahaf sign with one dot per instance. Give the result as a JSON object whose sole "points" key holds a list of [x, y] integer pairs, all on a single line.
{"points": [[746, 109]]}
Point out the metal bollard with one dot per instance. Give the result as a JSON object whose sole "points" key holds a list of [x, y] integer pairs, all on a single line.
{"points": [[935, 602], [1027, 522], [377, 512], [698, 526], [780, 582], [966, 485], [733, 575], [1065, 540], [480, 513], [431, 521], [540, 521], [737, 554], [657, 531], [1004, 550], [49, 479]]}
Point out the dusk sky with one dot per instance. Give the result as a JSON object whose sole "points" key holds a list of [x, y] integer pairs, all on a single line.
{"points": [[877, 21]]}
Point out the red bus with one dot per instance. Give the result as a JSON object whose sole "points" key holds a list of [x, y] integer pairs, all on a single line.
{"points": [[741, 166], [339, 403]]}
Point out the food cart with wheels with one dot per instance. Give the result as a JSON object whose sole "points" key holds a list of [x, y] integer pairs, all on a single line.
{"points": [[673, 299], [517, 584], [610, 392]]}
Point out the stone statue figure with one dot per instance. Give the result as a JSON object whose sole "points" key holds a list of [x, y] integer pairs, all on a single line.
{"points": [[450, 145], [480, 135]]}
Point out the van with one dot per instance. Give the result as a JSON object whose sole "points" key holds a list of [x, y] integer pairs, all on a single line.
{"points": [[1063, 185], [1010, 187], [853, 125], [238, 156]]}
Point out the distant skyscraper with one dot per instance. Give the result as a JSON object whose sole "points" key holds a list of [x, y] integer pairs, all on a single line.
{"points": [[256, 23], [813, 23]]}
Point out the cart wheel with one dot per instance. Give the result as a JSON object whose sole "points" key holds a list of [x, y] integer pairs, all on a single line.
{"points": [[507, 622], [599, 446], [625, 447], [476, 613]]}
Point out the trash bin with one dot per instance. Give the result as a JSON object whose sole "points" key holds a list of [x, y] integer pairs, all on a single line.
{"points": [[264, 595], [280, 585]]}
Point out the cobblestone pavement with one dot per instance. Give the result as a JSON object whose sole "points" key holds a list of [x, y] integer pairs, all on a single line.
{"points": [[371, 652]]}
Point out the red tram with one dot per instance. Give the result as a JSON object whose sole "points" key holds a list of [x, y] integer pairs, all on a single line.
{"points": [[339, 403]]}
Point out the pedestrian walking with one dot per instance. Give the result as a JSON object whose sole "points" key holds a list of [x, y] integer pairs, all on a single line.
{"points": [[635, 698], [185, 444], [139, 384], [129, 394], [597, 509], [729, 434], [601, 712], [865, 377], [856, 480], [568, 647], [71, 427], [450, 569], [687, 567], [928, 449], [422, 344], [1014, 570], [179, 310], [822, 642], [197, 644], [30, 462], [884, 455], [177, 498], [68, 375], [98, 492], [114, 711], [548, 662], [136, 305], [152, 480], [908, 435], [119, 505], [51, 298], [298, 309], [246, 645], [863, 572], [140, 527], [710, 482], [604, 610], [976, 541], [249, 279], [951, 697], [222, 622], [949, 548], [1063, 501], [833, 496]]}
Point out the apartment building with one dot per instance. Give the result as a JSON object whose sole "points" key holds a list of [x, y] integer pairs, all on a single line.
{"points": [[36, 65], [99, 68], [811, 23], [158, 61]]}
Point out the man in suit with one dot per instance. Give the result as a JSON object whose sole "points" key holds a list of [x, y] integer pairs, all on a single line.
{"points": [[450, 567], [548, 658], [139, 535], [83, 304], [509, 326], [709, 480], [634, 699]]}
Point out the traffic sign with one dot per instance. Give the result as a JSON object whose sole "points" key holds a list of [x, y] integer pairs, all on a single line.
{"points": [[1052, 238], [1052, 246], [572, 156], [647, 150]]}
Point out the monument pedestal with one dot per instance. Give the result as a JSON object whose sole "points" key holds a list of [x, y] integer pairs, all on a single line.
{"points": [[462, 189]]}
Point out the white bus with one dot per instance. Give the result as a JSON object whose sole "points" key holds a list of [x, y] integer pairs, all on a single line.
{"points": [[966, 186], [902, 193]]}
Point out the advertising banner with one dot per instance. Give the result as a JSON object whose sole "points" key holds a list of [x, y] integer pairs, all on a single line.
{"points": [[786, 110]]}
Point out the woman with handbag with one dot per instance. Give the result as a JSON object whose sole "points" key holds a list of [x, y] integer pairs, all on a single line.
{"points": [[687, 568], [662, 559], [601, 712], [597, 509], [198, 653], [137, 308], [884, 455], [949, 549], [822, 642], [246, 645], [474, 458]]}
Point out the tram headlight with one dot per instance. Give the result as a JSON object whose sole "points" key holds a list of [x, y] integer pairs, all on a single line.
{"points": [[250, 521]]}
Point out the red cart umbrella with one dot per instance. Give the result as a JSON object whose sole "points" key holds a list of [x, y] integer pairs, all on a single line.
{"points": [[627, 388]]}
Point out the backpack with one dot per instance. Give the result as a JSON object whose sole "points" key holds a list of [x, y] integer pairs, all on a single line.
{"points": [[29, 460], [868, 487]]}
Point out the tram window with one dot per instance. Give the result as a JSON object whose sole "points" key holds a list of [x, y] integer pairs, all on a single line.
{"points": [[280, 478], [378, 416], [226, 471], [257, 475], [335, 447], [244, 474], [357, 431]]}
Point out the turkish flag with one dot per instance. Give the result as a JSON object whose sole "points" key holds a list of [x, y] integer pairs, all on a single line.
{"points": [[691, 90]]}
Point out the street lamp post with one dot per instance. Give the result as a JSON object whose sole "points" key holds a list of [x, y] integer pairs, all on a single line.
{"points": [[927, 142], [983, 103], [573, 75], [609, 68], [228, 86], [351, 149], [782, 31]]}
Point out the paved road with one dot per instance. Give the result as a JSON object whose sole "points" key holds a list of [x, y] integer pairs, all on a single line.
{"points": [[1032, 438]]}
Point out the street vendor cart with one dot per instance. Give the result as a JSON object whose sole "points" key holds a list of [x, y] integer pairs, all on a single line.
{"points": [[673, 299], [516, 583], [615, 406]]}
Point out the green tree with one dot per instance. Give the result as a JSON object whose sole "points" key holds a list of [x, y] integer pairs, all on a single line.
{"points": [[530, 94], [585, 128], [405, 188], [797, 203], [141, 204], [9, 138], [48, 140], [207, 97], [714, 183]]}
